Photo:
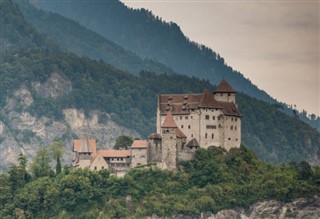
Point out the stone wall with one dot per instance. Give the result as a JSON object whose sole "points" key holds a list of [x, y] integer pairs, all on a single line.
{"points": [[139, 157]]}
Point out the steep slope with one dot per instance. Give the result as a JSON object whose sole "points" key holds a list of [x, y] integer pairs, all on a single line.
{"points": [[79, 40], [150, 37], [16, 32]]}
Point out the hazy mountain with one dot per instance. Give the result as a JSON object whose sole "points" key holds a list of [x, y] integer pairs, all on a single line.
{"points": [[25, 37], [150, 37], [79, 40]]}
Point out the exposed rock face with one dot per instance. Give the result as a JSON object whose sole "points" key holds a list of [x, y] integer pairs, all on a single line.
{"points": [[306, 208], [22, 132]]}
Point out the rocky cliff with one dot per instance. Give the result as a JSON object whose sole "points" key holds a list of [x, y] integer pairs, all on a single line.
{"points": [[307, 208], [22, 132]]}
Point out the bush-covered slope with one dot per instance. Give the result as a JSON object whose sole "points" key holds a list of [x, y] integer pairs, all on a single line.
{"points": [[132, 101], [79, 40], [212, 181]]}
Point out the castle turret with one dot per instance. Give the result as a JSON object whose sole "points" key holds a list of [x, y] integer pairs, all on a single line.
{"points": [[225, 92], [169, 142]]}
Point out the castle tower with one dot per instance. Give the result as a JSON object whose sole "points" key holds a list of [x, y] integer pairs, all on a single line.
{"points": [[225, 93], [84, 153], [169, 142]]}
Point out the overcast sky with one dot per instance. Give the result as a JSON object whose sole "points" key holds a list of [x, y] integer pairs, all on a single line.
{"points": [[274, 44]]}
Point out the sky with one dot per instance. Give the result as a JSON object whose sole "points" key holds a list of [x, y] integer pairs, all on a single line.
{"points": [[276, 44]]}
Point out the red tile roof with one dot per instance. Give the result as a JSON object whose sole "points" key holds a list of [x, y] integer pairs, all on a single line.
{"points": [[209, 101], [224, 87], [169, 121], [114, 153], [92, 143], [139, 144]]}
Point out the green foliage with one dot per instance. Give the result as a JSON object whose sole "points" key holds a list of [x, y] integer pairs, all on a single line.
{"points": [[40, 166], [123, 142], [237, 179]]}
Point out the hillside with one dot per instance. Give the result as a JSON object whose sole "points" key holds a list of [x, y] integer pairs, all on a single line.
{"points": [[149, 37], [212, 181], [48, 95], [130, 101], [26, 37], [81, 41]]}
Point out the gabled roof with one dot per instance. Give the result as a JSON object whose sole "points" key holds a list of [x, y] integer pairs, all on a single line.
{"points": [[114, 153], [209, 101], [169, 122], [139, 144], [180, 134], [193, 143], [224, 87]]}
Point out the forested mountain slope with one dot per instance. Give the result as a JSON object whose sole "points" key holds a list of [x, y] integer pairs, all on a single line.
{"points": [[81, 41], [150, 37], [26, 37]]}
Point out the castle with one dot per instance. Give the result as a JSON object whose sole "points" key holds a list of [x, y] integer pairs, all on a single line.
{"points": [[185, 122]]}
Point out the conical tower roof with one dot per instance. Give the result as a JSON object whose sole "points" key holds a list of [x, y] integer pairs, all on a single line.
{"points": [[169, 122], [224, 87], [85, 146]]}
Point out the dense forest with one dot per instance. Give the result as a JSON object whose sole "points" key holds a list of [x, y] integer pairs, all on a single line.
{"points": [[213, 180], [132, 100]]}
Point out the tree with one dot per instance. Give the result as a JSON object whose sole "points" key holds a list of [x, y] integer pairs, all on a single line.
{"points": [[123, 142], [41, 164], [56, 150]]}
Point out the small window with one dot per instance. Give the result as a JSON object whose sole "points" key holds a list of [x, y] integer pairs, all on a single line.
{"points": [[191, 135], [171, 137], [236, 139], [213, 118], [229, 94], [186, 117], [235, 119], [207, 117], [191, 117], [206, 135], [189, 127], [182, 126], [95, 168], [231, 119], [231, 127], [229, 139], [102, 167], [212, 136], [180, 117]]}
